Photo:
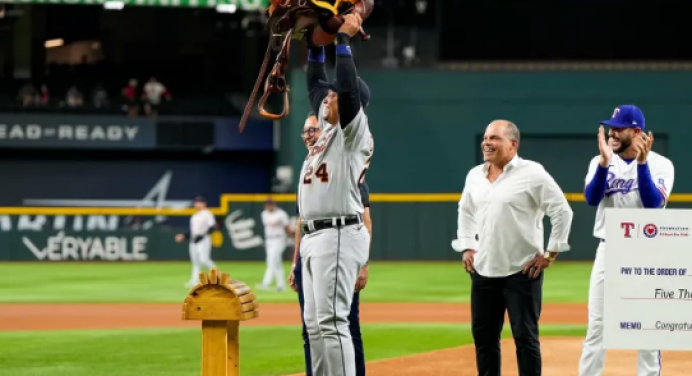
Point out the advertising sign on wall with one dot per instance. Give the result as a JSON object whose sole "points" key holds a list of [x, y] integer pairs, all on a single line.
{"points": [[110, 132], [50, 238], [87, 247]]}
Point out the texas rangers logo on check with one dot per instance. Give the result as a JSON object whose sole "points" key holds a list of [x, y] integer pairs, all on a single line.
{"points": [[627, 226]]}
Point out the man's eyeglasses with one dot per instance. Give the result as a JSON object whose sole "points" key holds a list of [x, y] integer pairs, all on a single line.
{"points": [[309, 131]]}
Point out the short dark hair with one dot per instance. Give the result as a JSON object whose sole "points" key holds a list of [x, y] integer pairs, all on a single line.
{"points": [[311, 113]]}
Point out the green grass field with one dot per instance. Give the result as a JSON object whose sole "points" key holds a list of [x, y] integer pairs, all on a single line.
{"points": [[443, 282], [266, 351]]}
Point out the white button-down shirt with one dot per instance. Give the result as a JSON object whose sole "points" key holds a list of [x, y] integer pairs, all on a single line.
{"points": [[507, 215]]}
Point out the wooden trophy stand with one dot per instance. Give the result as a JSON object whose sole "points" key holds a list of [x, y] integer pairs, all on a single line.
{"points": [[220, 303]]}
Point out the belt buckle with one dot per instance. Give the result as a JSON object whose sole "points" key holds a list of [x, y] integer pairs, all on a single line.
{"points": [[338, 222], [308, 226]]}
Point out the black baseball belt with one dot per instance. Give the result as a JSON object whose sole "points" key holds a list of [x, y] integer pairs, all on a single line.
{"points": [[314, 225]]}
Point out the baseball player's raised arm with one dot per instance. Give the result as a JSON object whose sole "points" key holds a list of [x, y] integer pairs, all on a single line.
{"points": [[596, 182], [467, 228], [317, 79], [655, 186], [550, 198], [347, 81]]}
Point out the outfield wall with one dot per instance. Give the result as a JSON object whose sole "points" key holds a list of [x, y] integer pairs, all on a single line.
{"points": [[427, 124], [405, 227]]}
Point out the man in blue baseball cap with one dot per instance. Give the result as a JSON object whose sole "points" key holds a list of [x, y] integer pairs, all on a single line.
{"points": [[626, 123], [626, 174]]}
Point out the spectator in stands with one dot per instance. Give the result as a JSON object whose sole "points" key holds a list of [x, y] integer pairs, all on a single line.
{"points": [[74, 97], [130, 96], [99, 97], [43, 96], [27, 94], [153, 92]]}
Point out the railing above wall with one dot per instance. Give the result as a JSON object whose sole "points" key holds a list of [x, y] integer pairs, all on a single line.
{"points": [[226, 201]]}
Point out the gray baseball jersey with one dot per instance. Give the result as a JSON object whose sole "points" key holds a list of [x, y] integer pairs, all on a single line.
{"points": [[328, 185]]}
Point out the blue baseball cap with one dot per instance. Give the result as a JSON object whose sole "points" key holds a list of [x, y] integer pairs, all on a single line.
{"points": [[626, 116]]}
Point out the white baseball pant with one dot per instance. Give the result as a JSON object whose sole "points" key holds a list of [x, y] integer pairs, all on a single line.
{"points": [[593, 354], [331, 259], [200, 255], [274, 250]]}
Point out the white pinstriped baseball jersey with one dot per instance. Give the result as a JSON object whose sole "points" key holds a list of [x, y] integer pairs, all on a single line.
{"points": [[622, 190]]}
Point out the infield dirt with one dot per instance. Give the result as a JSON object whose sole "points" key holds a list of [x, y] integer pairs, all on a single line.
{"points": [[560, 355]]}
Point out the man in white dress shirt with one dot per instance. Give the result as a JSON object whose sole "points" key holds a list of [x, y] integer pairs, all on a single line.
{"points": [[500, 235]]}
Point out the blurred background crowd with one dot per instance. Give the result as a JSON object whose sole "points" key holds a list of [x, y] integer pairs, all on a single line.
{"points": [[127, 57], [113, 57]]}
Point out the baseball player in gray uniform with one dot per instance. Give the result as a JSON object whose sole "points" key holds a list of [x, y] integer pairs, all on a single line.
{"points": [[336, 242]]}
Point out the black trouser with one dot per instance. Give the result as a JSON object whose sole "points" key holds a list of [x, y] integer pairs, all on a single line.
{"points": [[521, 296]]}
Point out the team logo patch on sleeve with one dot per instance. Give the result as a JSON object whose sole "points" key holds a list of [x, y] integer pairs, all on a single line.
{"points": [[662, 184]]}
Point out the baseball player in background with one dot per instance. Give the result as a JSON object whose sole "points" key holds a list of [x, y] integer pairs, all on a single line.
{"points": [[202, 224], [626, 174], [276, 229], [311, 132], [336, 243]]}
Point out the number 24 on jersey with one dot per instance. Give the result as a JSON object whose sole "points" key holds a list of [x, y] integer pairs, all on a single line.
{"points": [[320, 173]]}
